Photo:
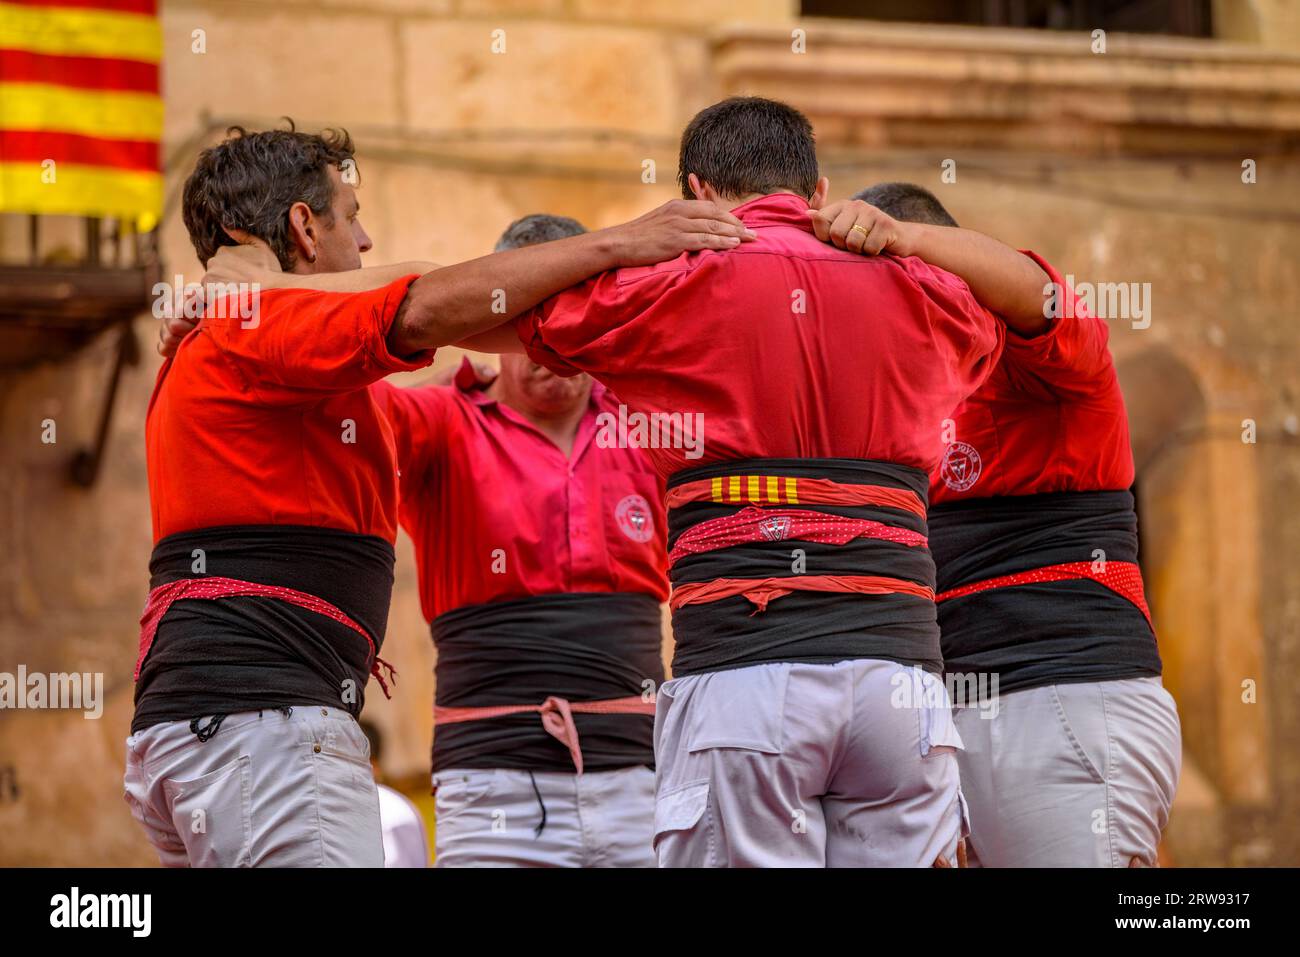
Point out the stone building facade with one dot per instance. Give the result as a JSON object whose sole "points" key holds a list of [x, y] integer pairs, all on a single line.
{"points": [[1130, 166]]}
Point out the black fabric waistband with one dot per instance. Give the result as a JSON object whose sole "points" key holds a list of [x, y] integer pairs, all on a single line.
{"points": [[578, 646], [984, 538], [242, 654], [806, 626], [1041, 633]]}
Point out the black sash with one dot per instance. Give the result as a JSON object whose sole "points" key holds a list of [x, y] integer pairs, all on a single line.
{"points": [[246, 654], [805, 626], [581, 647], [1042, 633]]}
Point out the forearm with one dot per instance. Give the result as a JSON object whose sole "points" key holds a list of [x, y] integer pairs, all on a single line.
{"points": [[1004, 281], [502, 338], [458, 302], [354, 280], [255, 264]]}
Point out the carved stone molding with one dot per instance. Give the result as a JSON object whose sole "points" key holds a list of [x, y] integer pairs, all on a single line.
{"points": [[892, 86]]}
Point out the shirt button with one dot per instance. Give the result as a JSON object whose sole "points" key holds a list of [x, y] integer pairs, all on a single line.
{"points": [[315, 748]]}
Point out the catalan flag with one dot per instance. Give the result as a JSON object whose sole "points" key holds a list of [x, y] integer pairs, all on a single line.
{"points": [[80, 108], [757, 489]]}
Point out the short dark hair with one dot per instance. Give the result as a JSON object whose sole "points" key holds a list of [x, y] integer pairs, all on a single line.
{"points": [[538, 228], [908, 202], [748, 144], [250, 180]]}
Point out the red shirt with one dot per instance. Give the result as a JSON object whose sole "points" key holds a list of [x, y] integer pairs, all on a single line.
{"points": [[789, 347], [274, 424], [1050, 418], [496, 510]]}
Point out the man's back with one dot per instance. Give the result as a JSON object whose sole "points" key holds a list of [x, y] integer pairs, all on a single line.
{"points": [[802, 582], [788, 347]]}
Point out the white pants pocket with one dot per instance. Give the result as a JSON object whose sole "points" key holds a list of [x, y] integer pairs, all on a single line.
{"points": [[212, 815], [458, 790], [1082, 716], [743, 708], [678, 812], [938, 730]]}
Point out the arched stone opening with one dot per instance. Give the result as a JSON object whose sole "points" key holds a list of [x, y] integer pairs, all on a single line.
{"points": [[1198, 508]]}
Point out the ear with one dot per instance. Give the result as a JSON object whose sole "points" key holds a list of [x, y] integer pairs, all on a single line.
{"points": [[701, 189], [818, 198], [302, 231]]}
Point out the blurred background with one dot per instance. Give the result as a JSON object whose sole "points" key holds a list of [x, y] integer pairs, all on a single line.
{"points": [[1162, 150]]}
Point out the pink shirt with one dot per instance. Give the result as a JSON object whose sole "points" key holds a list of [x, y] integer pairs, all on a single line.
{"points": [[496, 510]]}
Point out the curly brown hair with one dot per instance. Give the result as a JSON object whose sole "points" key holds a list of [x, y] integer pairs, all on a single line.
{"points": [[250, 180]]}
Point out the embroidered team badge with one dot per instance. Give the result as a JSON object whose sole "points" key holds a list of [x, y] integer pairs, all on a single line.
{"points": [[961, 466], [635, 518], [776, 528]]}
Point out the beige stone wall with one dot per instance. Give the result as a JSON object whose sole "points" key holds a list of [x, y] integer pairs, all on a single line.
{"points": [[457, 140], [1271, 23]]}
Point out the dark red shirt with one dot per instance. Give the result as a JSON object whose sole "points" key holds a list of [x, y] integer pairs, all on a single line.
{"points": [[786, 353], [497, 511], [1032, 524], [788, 347], [274, 424], [1050, 418]]}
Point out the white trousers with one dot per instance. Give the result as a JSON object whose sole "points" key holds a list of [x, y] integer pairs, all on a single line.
{"points": [[267, 790], [494, 818], [1071, 775], [799, 765]]}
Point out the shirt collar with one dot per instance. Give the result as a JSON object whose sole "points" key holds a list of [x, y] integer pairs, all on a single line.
{"points": [[466, 382], [776, 209]]}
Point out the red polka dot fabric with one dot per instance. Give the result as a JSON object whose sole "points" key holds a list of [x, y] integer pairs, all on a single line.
{"points": [[1123, 578], [162, 597], [755, 524]]}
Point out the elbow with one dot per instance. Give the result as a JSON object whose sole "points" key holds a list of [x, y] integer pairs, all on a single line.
{"points": [[439, 311], [425, 320], [415, 327], [1034, 307], [1029, 317]]}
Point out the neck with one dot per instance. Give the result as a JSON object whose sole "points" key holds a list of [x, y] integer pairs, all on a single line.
{"points": [[731, 202], [560, 427]]}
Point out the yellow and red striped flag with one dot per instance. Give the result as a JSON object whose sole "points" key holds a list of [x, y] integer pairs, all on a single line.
{"points": [[80, 108]]}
